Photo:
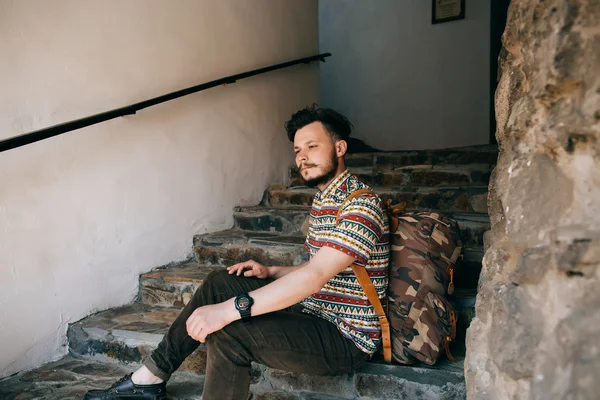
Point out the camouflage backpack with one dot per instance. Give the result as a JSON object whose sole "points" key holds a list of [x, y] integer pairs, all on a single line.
{"points": [[424, 247]]}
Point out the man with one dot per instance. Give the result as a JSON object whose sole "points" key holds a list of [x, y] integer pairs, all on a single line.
{"points": [[310, 318]]}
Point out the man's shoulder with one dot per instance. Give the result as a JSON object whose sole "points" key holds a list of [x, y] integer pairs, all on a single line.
{"points": [[352, 185]]}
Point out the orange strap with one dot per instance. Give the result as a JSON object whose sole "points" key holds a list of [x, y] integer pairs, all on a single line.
{"points": [[351, 196], [451, 337], [367, 285]]}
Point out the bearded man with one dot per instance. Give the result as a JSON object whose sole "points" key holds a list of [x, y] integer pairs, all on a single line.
{"points": [[310, 318]]}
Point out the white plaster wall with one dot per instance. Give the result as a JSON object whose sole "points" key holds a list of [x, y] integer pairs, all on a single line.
{"points": [[403, 82], [83, 214]]}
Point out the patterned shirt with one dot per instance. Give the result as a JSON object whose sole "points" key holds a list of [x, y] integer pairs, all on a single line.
{"points": [[363, 232]]}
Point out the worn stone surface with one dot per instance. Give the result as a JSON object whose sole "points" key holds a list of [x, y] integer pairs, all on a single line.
{"points": [[445, 381], [337, 385], [460, 155], [443, 198], [516, 331], [535, 334], [114, 342], [415, 175], [173, 285], [127, 335], [230, 247], [289, 221], [70, 378]]}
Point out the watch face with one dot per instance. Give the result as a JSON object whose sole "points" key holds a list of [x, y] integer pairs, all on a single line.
{"points": [[243, 303]]}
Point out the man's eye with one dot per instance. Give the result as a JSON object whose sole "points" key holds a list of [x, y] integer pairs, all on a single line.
{"points": [[312, 146]]}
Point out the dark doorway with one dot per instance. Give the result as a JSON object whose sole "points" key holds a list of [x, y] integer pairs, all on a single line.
{"points": [[498, 13]]}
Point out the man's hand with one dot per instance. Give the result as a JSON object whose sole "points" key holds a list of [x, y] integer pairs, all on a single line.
{"points": [[208, 319], [249, 268]]}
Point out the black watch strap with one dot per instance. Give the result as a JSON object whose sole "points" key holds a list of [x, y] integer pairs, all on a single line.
{"points": [[246, 316]]}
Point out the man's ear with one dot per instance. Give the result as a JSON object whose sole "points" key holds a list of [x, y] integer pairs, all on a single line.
{"points": [[341, 147]]}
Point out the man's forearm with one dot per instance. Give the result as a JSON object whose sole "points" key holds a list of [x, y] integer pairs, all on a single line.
{"points": [[281, 293], [291, 288], [277, 272]]}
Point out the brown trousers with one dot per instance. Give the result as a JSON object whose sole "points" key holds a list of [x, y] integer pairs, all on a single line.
{"points": [[288, 340]]}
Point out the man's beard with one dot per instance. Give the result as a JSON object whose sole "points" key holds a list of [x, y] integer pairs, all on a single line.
{"points": [[330, 171]]}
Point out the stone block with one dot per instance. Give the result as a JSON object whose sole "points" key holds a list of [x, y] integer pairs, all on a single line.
{"points": [[386, 178], [231, 254], [174, 285], [282, 197], [274, 395], [530, 215], [136, 330], [480, 177], [45, 375], [71, 378], [572, 369], [576, 250], [532, 267], [479, 203], [424, 177], [285, 220], [401, 159], [445, 199], [320, 396], [516, 331], [289, 381], [482, 155], [391, 387], [360, 160], [471, 232], [498, 262]]}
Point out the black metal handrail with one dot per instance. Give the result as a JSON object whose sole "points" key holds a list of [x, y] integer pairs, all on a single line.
{"points": [[59, 129]]}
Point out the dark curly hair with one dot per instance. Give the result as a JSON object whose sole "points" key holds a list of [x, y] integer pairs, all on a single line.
{"points": [[335, 123]]}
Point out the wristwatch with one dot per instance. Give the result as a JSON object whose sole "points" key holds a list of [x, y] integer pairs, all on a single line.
{"points": [[243, 302]]}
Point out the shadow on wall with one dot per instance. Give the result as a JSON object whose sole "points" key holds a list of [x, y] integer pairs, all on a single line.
{"points": [[358, 146]]}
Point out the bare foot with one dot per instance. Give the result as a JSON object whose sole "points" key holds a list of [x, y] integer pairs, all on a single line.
{"points": [[143, 376]]}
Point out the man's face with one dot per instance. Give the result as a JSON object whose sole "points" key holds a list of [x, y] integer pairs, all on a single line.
{"points": [[316, 155]]}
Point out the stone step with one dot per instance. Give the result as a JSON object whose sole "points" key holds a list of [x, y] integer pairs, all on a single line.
{"points": [[415, 175], [288, 220], [229, 247], [485, 154], [70, 377], [173, 285], [459, 199], [232, 246], [127, 335], [124, 335]]}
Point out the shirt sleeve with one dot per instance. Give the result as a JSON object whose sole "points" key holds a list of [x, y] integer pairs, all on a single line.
{"points": [[360, 227]]}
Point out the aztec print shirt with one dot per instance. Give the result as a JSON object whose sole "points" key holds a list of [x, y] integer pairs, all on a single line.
{"points": [[362, 232]]}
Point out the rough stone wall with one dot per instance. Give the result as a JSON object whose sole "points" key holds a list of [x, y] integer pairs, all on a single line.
{"points": [[537, 330]]}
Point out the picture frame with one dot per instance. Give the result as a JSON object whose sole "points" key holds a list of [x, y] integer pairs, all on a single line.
{"points": [[447, 10]]}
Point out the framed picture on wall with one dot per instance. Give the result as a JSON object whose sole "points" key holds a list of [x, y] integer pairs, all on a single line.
{"points": [[447, 10]]}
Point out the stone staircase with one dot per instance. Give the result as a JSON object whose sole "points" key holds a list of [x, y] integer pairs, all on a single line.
{"points": [[450, 181]]}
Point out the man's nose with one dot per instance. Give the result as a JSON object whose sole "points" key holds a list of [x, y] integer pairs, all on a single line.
{"points": [[301, 156]]}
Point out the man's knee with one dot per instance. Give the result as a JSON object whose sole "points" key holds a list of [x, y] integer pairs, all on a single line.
{"points": [[217, 275], [218, 280]]}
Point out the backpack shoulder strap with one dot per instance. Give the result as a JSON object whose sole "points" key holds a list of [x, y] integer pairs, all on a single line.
{"points": [[350, 197], [370, 291], [367, 285]]}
